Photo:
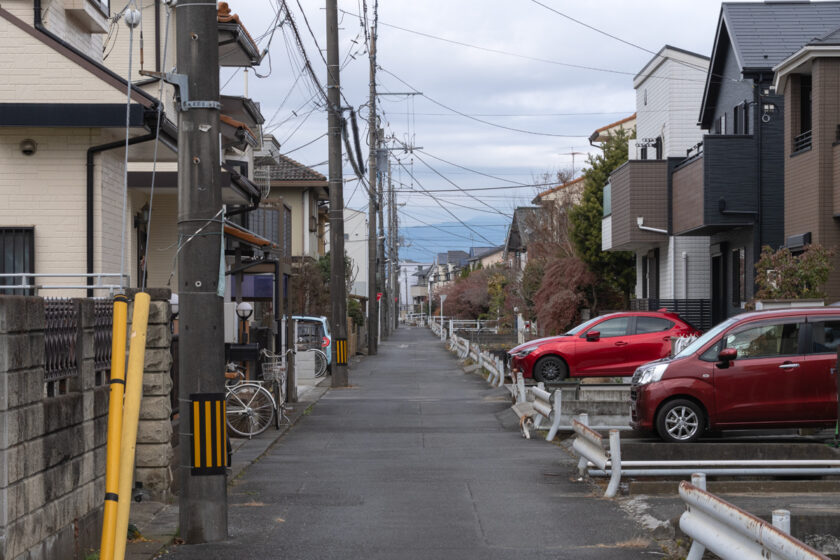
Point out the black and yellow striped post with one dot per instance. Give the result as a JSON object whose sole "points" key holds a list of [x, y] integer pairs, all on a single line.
{"points": [[341, 351], [208, 441]]}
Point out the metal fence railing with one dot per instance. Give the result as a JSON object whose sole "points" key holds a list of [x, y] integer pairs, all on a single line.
{"points": [[698, 312], [61, 331], [103, 326]]}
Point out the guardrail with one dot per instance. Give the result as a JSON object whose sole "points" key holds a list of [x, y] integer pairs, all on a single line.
{"points": [[733, 533], [589, 445], [547, 405]]}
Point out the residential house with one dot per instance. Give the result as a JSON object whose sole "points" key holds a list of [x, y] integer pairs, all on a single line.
{"points": [[518, 235], [809, 80], [300, 189], [356, 247], [485, 257], [732, 187], [446, 268], [600, 135], [413, 285], [569, 193], [671, 271]]}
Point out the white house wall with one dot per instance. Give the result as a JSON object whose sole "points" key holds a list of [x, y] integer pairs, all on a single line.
{"points": [[674, 92]]}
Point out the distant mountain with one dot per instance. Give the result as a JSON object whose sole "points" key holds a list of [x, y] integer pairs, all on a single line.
{"points": [[421, 242]]}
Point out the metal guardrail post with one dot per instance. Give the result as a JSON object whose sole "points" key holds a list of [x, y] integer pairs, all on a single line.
{"points": [[615, 459], [732, 533]]}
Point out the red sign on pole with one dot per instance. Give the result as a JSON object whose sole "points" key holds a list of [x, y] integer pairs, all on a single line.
{"points": [[378, 296]]}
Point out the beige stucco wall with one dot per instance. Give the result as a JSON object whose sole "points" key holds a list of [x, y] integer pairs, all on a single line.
{"points": [[35, 73], [47, 190], [294, 199], [56, 19]]}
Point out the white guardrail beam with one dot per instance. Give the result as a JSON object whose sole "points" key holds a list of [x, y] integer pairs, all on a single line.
{"points": [[589, 445], [733, 533]]}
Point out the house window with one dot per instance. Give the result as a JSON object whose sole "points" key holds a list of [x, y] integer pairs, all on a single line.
{"points": [[607, 200], [265, 222], [741, 119], [287, 232], [17, 255], [802, 140], [739, 285], [720, 124]]}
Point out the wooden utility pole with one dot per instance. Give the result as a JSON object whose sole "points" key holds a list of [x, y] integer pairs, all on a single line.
{"points": [[338, 286], [373, 126], [203, 501]]}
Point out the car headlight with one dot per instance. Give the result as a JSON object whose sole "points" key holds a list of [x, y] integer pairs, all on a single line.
{"points": [[525, 351], [651, 373]]}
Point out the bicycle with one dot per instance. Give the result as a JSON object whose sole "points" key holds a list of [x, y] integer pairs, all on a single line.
{"points": [[274, 376], [249, 406]]}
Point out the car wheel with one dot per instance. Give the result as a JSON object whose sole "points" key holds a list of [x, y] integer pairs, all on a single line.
{"points": [[551, 369], [680, 421]]}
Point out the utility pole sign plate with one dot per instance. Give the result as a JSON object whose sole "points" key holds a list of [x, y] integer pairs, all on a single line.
{"points": [[208, 434]]}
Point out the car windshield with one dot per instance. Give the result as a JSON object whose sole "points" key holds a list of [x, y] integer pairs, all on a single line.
{"points": [[700, 342], [583, 326]]}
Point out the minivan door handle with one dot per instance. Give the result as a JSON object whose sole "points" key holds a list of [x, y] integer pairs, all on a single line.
{"points": [[788, 365], [621, 343]]}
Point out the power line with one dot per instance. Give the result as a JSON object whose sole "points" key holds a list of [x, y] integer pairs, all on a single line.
{"points": [[438, 103], [532, 58]]}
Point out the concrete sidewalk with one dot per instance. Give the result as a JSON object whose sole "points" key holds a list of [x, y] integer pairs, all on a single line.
{"points": [[157, 522], [412, 462]]}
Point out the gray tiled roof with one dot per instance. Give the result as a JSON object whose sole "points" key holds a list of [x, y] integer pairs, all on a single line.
{"points": [[832, 38], [765, 33], [284, 169]]}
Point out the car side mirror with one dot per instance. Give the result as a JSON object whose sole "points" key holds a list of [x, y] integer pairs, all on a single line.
{"points": [[593, 336], [726, 356]]}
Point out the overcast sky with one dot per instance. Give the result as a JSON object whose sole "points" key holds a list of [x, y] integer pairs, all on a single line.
{"points": [[555, 104]]}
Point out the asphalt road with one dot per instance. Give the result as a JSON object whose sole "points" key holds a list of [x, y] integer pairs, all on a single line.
{"points": [[412, 462]]}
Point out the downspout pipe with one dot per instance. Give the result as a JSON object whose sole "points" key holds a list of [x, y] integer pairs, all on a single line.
{"points": [[91, 153]]}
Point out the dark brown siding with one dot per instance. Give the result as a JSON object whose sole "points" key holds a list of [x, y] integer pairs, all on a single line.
{"points": [[688, 197], [811, 176], [639, 189]]}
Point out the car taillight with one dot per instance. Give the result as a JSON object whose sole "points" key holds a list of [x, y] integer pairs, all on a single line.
{"points": [[325, 342]]}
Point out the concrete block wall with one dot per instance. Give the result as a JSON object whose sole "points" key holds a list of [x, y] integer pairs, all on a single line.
{"points": [[154, 438], [52, 450]]}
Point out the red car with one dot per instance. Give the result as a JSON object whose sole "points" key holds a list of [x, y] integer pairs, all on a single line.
{"points": [[611, 345], [766, 369]]}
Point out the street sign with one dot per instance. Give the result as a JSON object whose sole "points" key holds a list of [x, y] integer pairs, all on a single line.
{"points": [[378, 296], [442, 297]]}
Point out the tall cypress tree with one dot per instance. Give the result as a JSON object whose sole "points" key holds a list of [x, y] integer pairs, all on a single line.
{"points": [[616, 270]]}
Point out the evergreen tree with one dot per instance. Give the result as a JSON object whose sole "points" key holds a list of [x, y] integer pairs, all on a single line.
{"points": [[616, 270]]}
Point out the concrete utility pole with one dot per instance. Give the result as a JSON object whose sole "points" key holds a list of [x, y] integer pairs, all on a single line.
{"points": [[381, 253], [338, 286], [203, 502], [373, 126], [393, 259]]}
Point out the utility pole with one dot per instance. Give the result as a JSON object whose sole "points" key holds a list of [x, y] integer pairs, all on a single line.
{"points": [[373, 126], [338, 286], [203, 501], [381, 261], [393, 260]]}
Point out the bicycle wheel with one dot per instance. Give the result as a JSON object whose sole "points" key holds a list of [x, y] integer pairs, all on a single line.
{"points": [[250, 409], [320, 363]]}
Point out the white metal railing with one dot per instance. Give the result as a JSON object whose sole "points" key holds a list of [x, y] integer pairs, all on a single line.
{"points": [[589, 445], [547, 405], [27, 281], [733, 533]]}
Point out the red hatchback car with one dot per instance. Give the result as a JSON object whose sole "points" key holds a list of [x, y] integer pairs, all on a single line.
{"points": [[611, 345]]}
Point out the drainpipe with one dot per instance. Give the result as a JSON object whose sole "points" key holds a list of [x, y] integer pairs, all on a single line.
{"points": [[92, 151], [685, 274], [672, 241]]}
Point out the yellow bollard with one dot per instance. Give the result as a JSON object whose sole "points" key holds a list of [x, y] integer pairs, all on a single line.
{"points": [[131, 417], [115, 411]]}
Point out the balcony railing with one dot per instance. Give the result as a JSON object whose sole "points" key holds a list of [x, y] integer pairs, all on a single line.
{"points": [[802, 142], [698, 312]]}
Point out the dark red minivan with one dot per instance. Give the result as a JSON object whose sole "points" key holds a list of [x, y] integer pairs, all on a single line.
{"points": [[767, 369]]}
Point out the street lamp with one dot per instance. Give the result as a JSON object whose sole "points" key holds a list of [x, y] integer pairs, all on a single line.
{"points": [[173, 310], [244, 310]]}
